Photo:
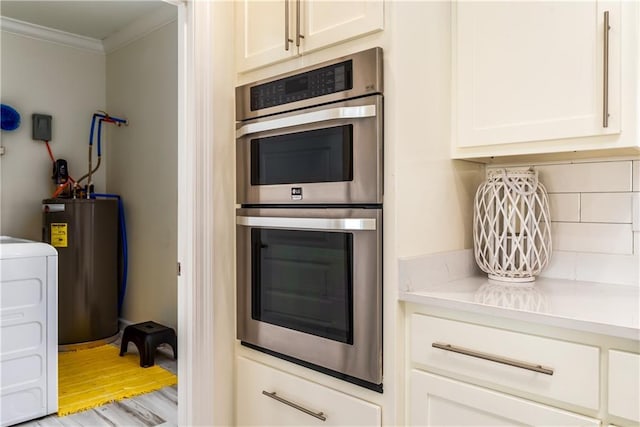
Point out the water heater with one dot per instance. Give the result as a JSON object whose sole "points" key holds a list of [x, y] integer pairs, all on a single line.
{"points": [[85, 234]]}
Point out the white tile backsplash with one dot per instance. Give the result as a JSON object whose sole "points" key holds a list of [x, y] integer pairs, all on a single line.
{"points": [[606, 207], [603, 268], [564, 207], [592, 237], [436, 269], [618, 269], [587, 177], [595, 220]]}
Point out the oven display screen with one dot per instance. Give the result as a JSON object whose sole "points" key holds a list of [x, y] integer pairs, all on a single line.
{"points": [[314, 83], [296, 85], [303, 280]]}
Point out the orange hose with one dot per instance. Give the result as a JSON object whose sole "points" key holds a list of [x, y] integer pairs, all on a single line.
{"points": [[59, 190], [50, 152]]}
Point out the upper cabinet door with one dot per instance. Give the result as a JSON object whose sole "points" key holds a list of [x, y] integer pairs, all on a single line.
{"points": [[271, 31], [263, 29], [323, 23], [535, 71]]}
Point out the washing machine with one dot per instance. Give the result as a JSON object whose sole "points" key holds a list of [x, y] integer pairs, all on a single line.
{"points": [[29, 330]]}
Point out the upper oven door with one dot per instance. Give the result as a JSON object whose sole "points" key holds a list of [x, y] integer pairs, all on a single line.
{"points": [[331, 154]]}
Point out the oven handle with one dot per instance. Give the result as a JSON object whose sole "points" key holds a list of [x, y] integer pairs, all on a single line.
{"points": [[308, 223], [306, 118]]}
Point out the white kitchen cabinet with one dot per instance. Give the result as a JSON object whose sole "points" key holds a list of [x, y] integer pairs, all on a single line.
{"points": [[272, 31], [439, 401], [474, 371], [566, 364], [267, 396], [536, 77], [624, 385]]}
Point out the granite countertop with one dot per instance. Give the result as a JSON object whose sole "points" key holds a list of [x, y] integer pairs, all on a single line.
{"points": [[454, 282]]}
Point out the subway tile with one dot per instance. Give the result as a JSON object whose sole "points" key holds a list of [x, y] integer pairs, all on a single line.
{"points": [[636, 175], [564, 207], [606, 207], [587, 177], [604, 268], [592, 237]]}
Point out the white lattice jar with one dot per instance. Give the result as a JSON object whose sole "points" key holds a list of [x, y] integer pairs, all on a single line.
{"points": [[511, 225]]}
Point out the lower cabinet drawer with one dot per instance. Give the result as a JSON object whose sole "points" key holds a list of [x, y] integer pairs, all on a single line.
{"points": [[624, 385], [439, 401], [547, 367], [267, 396]]}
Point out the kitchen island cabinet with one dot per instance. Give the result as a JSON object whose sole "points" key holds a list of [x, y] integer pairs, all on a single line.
{"points": [[544, 77], [272, 31]]}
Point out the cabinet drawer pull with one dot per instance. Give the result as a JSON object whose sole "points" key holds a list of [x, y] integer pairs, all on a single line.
{"points": [[318, 415], [518, 364], [605, 73]]}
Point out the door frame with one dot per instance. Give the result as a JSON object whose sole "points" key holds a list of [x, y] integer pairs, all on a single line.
{"points": [[206, 227]]}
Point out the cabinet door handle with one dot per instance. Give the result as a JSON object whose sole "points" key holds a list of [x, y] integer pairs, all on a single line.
{"points": [[298, 33], [273, 395], [605, 73], [498, 359], [287, 40]]}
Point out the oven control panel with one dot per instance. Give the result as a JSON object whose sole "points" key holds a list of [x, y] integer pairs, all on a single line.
{"points": [[314, 83]]}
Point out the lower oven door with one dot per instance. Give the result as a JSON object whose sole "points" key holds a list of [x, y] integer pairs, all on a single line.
{"points": [[310, 288]]}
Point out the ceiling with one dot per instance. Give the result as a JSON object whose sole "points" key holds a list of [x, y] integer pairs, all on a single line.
{"points": [[90, 18]]}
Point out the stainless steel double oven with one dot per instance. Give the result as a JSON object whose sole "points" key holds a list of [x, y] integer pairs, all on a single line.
{"points": [[309, 152]]}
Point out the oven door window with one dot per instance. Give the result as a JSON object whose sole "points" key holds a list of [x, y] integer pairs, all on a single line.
{"points": [[303, 280], [320, 155]]}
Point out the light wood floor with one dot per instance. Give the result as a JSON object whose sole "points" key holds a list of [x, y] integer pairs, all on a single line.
{"points": [[158, 408]]}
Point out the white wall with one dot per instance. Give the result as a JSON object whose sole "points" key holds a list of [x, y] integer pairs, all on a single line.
{"points": [[434, 194], [47, 78], [142, 84]]}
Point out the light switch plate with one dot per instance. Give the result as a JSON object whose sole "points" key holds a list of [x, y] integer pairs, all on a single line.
{"points": [[41, 127]]}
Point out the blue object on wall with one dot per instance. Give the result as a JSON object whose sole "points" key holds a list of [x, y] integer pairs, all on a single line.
{"points": [[10, 118]]}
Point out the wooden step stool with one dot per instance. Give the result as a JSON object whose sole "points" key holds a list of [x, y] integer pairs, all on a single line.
{"points": [[147, 336]]}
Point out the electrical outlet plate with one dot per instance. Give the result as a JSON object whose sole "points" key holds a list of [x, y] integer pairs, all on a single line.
{"points": [[41, 127]]}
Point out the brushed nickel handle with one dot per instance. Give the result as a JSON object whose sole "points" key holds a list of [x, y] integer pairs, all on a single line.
{"points": [[298, 34], [605, 73], [287, 40], [360, 112], [273, 395], [343, 224], [498, 359]]}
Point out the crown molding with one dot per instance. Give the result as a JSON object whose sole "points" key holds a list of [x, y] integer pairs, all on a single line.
{"points": [[39, 32], [139, 28]]}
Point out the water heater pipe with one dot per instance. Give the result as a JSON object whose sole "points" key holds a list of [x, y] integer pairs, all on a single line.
{"points": [[125, 250]]}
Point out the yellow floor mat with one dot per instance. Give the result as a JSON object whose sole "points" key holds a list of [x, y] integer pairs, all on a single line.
{"points": [[95, 376]]}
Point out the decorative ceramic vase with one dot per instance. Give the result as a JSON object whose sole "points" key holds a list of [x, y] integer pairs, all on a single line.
{"points": [[511, 225]]}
